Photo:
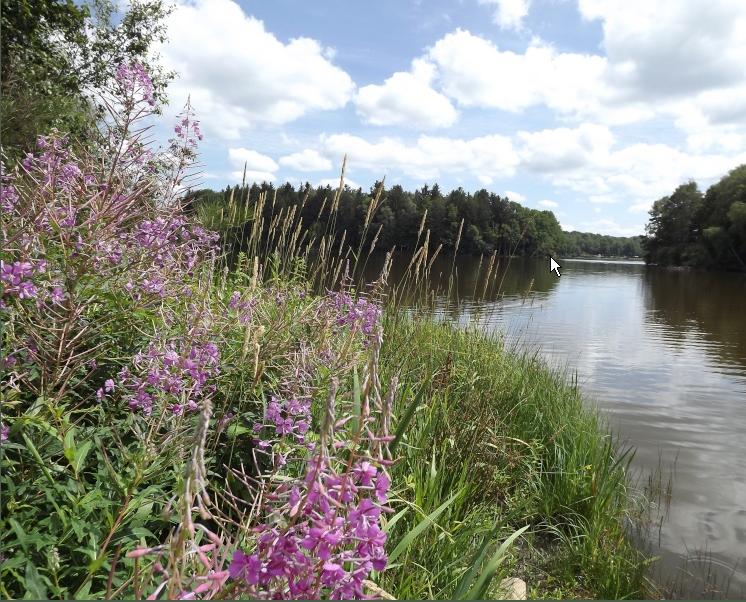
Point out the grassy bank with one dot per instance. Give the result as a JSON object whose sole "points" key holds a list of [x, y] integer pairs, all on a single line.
{"points": [[197, 414], [518, 447]]}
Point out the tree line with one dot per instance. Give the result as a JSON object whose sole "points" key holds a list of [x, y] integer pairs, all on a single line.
{"points": [[475, 223], [689, 228], [580, 244]]}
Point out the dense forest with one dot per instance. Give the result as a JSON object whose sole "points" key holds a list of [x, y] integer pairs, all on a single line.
{"points": [[476, 223], [689, 228], [580, 244]]}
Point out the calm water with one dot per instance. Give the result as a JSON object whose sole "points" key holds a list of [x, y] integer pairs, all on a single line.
{"points": [[663, 353]]}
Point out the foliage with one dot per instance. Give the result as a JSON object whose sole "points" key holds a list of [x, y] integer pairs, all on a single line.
{"points": [[55, 54], [705, 231], [140, 390], [585, 243], [519, 448], [476, 223]]}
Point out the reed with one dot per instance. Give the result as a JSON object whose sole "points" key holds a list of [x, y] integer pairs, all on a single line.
{"points": [[492, 440]]}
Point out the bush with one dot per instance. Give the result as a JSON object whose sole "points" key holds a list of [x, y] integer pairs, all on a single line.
{"points": [[167, 426]]}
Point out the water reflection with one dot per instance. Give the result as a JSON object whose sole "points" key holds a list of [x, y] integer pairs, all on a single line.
{"points": [[712, 304], [664, 355]]}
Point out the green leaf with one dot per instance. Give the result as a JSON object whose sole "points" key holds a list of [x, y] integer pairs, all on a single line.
{"points": [[479, 588], [40, 462], [83, 592], [68, 445], [96, 564], [36, 589], [143, 533], [80, 455], [20, 533], [407, 540], [235, 429], [404, 421], [394, 519], [476, 563]]}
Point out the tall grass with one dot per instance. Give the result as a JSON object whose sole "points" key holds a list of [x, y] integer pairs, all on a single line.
{"points": [[522, 448], [492, 439]]}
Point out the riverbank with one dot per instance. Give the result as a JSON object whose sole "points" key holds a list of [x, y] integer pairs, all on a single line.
{"points": [[520, 448], [487, 445], [174, 428]]}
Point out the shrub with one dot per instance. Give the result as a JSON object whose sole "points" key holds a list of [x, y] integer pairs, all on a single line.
{"points": [[168, 428]]}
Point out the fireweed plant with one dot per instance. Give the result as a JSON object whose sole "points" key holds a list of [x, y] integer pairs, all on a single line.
{"points": [[169, 429]]}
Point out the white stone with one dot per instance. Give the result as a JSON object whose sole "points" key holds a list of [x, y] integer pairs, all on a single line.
{"points": [[513, 588]]}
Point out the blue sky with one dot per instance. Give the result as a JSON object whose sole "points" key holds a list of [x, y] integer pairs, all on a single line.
{"points": [[590, 108]]}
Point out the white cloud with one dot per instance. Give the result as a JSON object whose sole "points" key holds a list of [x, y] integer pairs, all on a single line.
{"points": [[476, 73], [670, 48], [306, 160], [239, 75], [562, 149], [633, 175], [607, 226], [509, 14], [259, 168], [603, 199], [406, 98], [334, 183], [429, 157], [686, 58], [252, 176], [252, 159], [586, 161], [515, 196], [548, 204], [675, 59]]}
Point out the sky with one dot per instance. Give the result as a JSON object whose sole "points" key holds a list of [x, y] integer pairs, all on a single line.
{"points": [[592, 109]]}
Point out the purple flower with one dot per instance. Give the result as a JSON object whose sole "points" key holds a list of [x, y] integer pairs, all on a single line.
{"points": [[246, 567], [332, 573], [361, 315], [167, 373], [225, 420], [16, 278], [135, 81], [365, 472], [288, 417], [346, 538], [4, 431], [383, 483], [26, 290], [57, 296], [8, 198]]}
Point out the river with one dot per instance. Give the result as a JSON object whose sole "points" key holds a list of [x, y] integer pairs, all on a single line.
{"points": [[663, 355]]}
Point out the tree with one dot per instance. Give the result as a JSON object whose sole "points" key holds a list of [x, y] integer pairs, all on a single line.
{"points": [[670, 230], [709, 232], [724, 219], [55, 53]]}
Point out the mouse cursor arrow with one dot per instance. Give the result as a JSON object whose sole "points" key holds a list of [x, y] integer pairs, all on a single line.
{"points": [[554, 266]]}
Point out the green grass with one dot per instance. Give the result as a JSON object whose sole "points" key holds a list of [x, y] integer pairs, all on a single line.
{"points": [[518, 447], [491, 441]]}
